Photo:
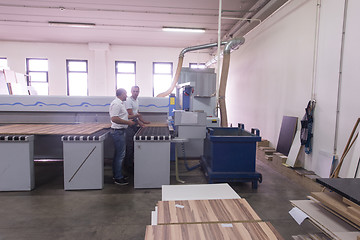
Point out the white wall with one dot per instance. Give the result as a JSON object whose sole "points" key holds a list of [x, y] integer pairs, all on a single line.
{"points": [[271, 75], [101, 78]]}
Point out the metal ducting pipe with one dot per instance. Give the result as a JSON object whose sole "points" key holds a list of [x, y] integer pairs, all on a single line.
{"points": [[233, 44], [180, 62]]}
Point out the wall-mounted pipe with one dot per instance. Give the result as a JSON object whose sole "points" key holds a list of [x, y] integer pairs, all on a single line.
{"points": [[233, 44], [338, 99]]}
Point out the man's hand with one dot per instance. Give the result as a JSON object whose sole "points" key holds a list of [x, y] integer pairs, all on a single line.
{"points": [[131, 123]]}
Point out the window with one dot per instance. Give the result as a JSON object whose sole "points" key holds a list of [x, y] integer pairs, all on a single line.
{"points": [[77, 72], [3, 64], [37, 72], [125, 75], [197, 65], [162, 77]]}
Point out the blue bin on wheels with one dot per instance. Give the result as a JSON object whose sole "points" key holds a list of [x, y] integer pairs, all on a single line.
{"points": [[230, 155]]}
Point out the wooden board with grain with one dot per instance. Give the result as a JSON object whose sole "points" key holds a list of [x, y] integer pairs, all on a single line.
{"points": [[205, 211], [323, 219], [351, 204], [253, 230], [52, 129], [334, 202]]}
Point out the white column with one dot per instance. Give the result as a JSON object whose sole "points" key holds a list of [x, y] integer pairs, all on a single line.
{"points": [[98, 70]]}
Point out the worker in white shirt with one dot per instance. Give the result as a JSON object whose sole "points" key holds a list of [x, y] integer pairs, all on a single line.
{"points": [[119, 123], [132, 107]]}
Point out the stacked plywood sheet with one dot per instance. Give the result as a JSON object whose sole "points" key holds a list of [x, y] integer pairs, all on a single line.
{"points": [[340, 206], [205, 211], [330, 224], [209, 219], [238, 231]]}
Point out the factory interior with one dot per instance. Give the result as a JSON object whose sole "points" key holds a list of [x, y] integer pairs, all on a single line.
{"points": [[248, 119]]}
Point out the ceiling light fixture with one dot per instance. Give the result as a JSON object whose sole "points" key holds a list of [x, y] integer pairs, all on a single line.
{"points": [[183, 29], [72, 24]]}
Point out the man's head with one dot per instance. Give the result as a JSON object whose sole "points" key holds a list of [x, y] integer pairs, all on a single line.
{"points": [[121, 94], [135, 90]]}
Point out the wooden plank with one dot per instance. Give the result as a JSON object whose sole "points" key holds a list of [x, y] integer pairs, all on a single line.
{"points": [[205, 211], [52, 129], [346, 187], [254, 230], [326, 221], [157, 124], [354, 211], [351, 203], [334, 202]]}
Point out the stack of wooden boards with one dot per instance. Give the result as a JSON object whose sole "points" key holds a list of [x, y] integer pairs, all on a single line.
{"points": [[288, 149], [278, 161], [209, 219], [340, 206], [336, 210]]}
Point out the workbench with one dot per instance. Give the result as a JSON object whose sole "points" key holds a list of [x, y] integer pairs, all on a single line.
{"points": [[82, 149]]}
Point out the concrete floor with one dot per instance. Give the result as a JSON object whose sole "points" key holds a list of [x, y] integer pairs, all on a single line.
{"points": [[121, 212]]}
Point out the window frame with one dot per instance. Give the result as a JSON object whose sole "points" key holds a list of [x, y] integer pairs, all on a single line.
{"points": [[68, 71], [154, 74], [117, 72], [28, 77], [197, 64]]}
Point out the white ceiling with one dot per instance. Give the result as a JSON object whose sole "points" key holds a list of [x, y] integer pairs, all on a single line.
{"points": [[124, 22]]}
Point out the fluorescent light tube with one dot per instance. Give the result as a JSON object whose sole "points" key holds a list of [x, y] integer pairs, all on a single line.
{"points": [[182, 29], [72, 24]]}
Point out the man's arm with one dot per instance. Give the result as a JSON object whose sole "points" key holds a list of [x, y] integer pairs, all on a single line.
{"points": [[118, 120], [131, 114], [142, 120]]}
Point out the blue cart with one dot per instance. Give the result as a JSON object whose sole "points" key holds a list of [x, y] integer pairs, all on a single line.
{"points": [[230, 155]]}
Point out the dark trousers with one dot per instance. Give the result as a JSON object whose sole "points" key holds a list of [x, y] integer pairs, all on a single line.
{"points": [[129, 156]]}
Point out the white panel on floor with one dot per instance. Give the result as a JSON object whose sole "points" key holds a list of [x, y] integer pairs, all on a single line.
{"points": [[198, 192]]}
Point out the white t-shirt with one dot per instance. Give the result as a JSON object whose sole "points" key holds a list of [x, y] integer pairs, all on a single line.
{"points": [[133, 104], [117, 108]]}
